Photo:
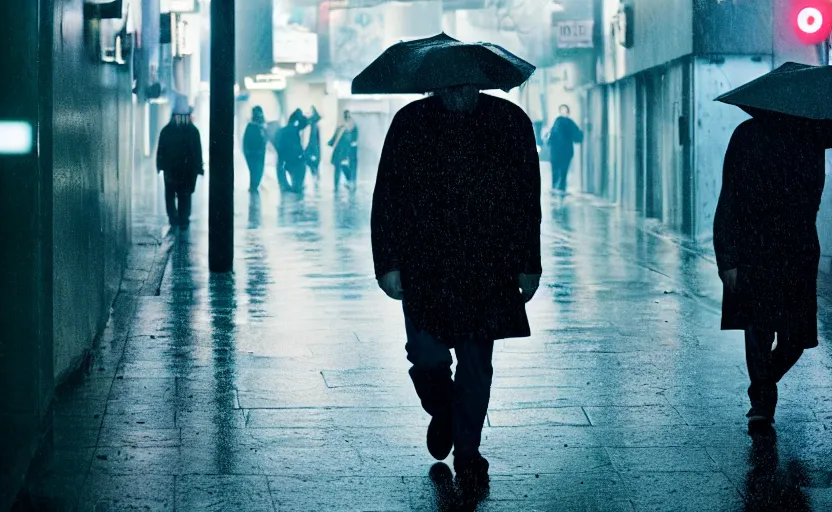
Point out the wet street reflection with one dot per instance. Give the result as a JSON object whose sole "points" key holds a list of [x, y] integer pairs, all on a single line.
{"points": [[284, 385]]}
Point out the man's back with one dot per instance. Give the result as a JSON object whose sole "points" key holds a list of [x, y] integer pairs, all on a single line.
{"points": [[465, 194]]}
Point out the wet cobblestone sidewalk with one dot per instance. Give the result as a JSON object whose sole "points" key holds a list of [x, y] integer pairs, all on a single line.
{"points": [[284, 386]]}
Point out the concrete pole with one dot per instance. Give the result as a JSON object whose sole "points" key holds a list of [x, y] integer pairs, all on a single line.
{"points": [[221, 149]]}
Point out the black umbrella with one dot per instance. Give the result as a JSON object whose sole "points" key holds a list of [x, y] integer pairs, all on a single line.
{"points": [[794, 90], [438, 62]]}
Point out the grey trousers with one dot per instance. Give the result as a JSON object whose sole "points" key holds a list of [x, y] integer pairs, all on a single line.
{"points": [[465, 396]]}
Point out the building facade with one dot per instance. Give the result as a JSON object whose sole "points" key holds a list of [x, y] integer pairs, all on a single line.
{"points": [[655, 137]]}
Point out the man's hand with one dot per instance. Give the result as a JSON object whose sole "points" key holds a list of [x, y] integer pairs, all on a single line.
{"points": [[528, 285], [391, 283], [729, 278]]}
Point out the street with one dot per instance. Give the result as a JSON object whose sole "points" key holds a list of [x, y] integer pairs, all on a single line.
{"points": [[284, 386]]}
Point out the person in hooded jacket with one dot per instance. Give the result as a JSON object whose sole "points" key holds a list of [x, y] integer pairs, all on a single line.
{"points": [[179, 157], [312, 152], [290, 152], [767, 249], [254, 147]]}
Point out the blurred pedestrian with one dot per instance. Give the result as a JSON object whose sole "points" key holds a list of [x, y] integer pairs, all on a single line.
{"points": [[344, 145], [179, 157], [767, 248], [291, 164], [313, 146], [562, 139], [456, 237], [254, 147]]}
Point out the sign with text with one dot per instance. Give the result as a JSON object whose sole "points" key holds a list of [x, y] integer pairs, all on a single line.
{"points": [[182, 5], [573, 34], [291, 47]]}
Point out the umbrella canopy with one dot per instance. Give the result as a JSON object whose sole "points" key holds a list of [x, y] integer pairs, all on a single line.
{"points": [[796, 90], [438, 62]]}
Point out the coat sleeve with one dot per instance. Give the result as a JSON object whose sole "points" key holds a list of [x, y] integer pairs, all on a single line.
{"points": [[729, 232], [161, 152], [577, 134], [530, 215], [386, 216]]}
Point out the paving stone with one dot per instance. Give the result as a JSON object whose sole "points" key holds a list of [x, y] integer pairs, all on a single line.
{"points": [[671, 459], [140, 437], [537, 416], [634, 416], [374, 417], [223, 493], [127, 492], [130, 460], [339, 494], [683, 491]]}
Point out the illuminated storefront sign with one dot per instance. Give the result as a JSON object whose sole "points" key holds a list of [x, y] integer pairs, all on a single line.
{"points": [[16, 138]]}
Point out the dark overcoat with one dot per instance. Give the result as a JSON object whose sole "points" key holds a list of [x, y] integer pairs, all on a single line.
{"points": [[562, 139], [772, 182], [179, 155], [342, 144], [456, 209], [289, 148], [255, 139]]}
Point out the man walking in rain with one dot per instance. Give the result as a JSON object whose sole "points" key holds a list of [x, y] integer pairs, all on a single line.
{"points": [[456, 237], [766, 243], [179, 157], [562, 139]]}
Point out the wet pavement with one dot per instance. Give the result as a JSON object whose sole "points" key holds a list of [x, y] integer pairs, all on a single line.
{"points": [[284, 386]]}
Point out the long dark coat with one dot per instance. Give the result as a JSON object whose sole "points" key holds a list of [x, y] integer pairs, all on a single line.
{"points": [[772, 181], [344, 143], [179, 155], [562, 139], [456, 209], [289, 146], [255, 139]]}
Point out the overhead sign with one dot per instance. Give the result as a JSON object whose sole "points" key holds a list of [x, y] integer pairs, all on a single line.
{"points": [[182, 5], [292, 47], [573, 34]]}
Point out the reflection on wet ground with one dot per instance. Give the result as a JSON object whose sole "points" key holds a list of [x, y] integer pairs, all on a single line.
{"points": [[284, 386]]}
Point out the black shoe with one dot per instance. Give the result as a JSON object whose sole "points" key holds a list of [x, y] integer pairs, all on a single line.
{"points": [[471, 476], [759, 421], [441, 436]]}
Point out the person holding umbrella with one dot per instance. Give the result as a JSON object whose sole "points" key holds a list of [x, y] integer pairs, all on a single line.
{"points": [[254, 147], [456, 227], [765, 237]]}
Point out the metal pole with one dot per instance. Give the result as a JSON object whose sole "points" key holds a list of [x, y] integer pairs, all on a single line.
{"points": [[221, 148]]}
